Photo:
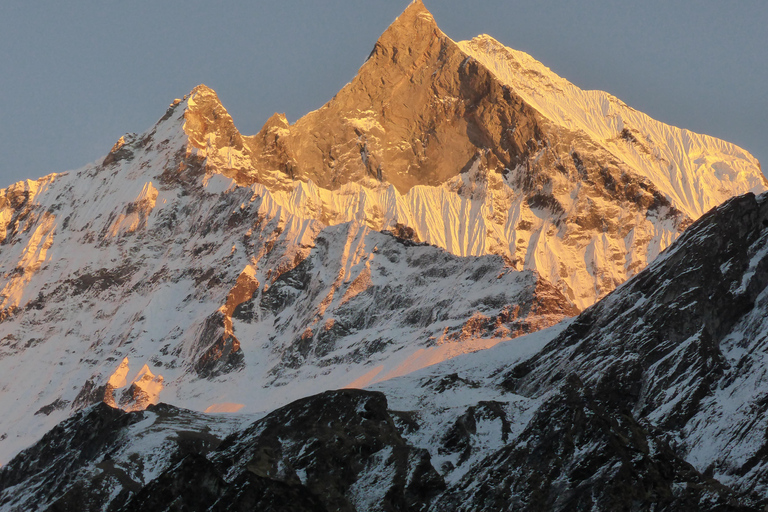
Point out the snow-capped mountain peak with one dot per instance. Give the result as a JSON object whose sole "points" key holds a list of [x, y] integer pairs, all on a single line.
{"points": [[451, 197]]}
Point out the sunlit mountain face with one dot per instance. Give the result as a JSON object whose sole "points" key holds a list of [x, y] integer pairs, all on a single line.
{"points": [[462, 284]]}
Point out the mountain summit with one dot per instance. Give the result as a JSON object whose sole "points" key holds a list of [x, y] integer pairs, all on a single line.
{"points": [[480, 149], [451, 197]]}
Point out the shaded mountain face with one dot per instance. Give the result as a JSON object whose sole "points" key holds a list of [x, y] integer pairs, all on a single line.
{"points": [[682, 345], [651, 399], [625, 407], [452, 197]]}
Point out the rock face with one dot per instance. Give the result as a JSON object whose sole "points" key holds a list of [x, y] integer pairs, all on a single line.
{"points": [[577, 453], [343, 446]]}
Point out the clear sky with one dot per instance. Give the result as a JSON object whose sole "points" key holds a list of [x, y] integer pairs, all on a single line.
{"points": [[75, 76]]}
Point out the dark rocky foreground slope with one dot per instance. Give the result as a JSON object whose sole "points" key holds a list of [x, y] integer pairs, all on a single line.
{"points": [[343, 450], [653, 399], [340, 450], [682, 346]]}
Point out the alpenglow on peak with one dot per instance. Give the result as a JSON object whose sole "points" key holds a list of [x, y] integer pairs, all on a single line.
{"points": [[450, 197]]}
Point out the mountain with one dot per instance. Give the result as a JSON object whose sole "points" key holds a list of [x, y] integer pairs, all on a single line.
{"points": [[458, 142], [517, 161], [451, 198], [653, 399]]}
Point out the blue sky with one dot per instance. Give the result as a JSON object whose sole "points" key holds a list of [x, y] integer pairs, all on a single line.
{"points": [[75, 76]]}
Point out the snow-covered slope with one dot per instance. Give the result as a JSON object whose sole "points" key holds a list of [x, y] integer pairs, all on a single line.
{"points": [[464, 434], [695, 172], [654, 396], [429, 210], [148, 278]]}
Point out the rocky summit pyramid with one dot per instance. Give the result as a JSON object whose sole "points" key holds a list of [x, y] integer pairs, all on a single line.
{"points": [[451, 198], [480, 149]]}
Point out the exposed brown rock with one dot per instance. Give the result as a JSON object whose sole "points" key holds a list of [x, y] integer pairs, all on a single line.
{"points": [[421, 111], [415, 114]]}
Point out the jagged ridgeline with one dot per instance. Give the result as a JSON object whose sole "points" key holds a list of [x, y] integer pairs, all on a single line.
{"points": [[451, 198]]}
